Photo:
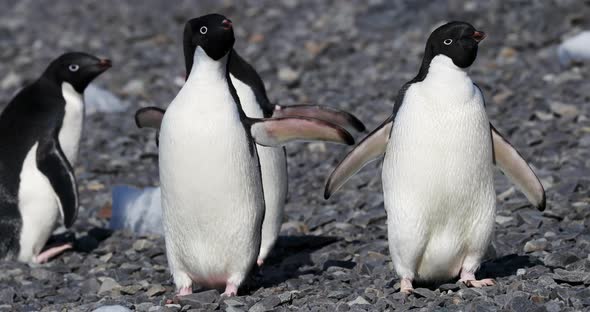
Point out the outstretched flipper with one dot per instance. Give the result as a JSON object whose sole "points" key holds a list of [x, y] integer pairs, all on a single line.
{"points": [[149, 117], [330, 114], [52, 162], [516, 168], [278, 131], [369, 149]]}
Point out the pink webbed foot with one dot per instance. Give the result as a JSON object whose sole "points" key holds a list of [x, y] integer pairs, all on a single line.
{"points": [[230, 290], [51, 252], [259, 262], [183, 291], [406, 286], [469, 280]]}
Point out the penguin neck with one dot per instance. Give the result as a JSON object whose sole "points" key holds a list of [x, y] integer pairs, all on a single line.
{"points": [[205, 69], [443, 69]]}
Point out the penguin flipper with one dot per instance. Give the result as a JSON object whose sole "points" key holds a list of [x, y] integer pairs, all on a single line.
{"points": [[52, 162], [327, 113], [517, 169], [370, 148], [149, 117], [279, 131]]}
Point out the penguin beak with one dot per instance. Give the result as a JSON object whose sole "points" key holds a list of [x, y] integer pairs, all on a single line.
{"points": [[227, 25], [478, 36], [105, 64]]}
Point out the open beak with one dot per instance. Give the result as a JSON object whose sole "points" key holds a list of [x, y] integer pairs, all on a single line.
{"points": [[478, 36]]}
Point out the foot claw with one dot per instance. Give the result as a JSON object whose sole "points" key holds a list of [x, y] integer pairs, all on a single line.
{"points": [[480, 283], [406, 286], [183, 291], [230, 291]]}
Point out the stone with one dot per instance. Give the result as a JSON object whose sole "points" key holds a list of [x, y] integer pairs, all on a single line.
{"points": [[7, 295], [107, 284], [560, 259], [359, 300], [572, 277], [142, 244], [200, 298], [426, 293], [112, 308], [130, 290], [43, 274], [535, 245], [288, 75], [266, 304], [155, 290]]}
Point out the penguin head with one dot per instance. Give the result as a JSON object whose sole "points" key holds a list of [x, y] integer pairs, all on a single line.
{"points": [[77, 69], [457, 40], [213, 33]]}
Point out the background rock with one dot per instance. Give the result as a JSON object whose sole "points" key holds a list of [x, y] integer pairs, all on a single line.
{"points": [[354, 55]]}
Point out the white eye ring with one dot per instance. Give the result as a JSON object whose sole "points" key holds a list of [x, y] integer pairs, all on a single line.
{"points": [[203, 30], [74, 67], [448, 41]]}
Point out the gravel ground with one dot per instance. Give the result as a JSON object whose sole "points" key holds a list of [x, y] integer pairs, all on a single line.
{"points": [[332, 255]]}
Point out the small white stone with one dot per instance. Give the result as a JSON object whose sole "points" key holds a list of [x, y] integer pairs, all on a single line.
{"points": [[520, 272], [503, 219], [359, 300], [535, 245]]}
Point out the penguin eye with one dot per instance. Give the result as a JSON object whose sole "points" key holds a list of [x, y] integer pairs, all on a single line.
{"points": [[203, 30], [73, 67], [448, 41]]}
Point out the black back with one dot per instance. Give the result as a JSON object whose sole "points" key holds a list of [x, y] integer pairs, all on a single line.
{"points": [[25, 121], [244, 72]]}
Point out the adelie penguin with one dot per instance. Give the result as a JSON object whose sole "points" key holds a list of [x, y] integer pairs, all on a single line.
{"points": [[273, 163], [40, 133], [212, 197], [437, 173]]}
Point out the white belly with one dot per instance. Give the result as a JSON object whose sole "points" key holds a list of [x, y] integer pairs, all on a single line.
{"points": [[438, 183], [38, 205], [211, 187], [273, 165], [73, 123]]}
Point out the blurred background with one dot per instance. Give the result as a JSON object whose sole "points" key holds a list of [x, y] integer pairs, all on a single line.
{"points": [[354, 55]]}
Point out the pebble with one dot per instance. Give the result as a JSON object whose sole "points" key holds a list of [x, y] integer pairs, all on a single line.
{"points": [[112, 308], [288, 75], [535, 245], [359, 300], [107, 285], [155, 290]]}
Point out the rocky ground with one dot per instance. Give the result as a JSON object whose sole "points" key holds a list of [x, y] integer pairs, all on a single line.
{"points": [[332, 255]]}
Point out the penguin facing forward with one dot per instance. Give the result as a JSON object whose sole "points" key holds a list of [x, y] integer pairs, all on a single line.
{"points": [[273, 163], [212, 196], [40, 132], [438, 169]]}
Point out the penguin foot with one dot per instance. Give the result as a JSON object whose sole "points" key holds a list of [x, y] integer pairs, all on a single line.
{"points": [[469, 280], [183, 291], [51, 252], [480, 283], [406, 286], [260, 262], [230, 290]]}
